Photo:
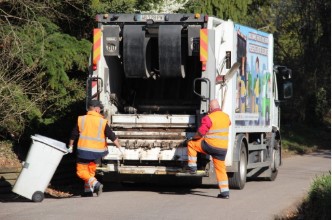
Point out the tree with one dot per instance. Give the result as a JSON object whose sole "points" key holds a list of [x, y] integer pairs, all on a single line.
{"points": [[235, 10], [161, 6], [35, 59], [302, 33]]}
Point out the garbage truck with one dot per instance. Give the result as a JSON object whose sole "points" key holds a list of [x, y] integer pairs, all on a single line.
{"points": [[155, 75]]}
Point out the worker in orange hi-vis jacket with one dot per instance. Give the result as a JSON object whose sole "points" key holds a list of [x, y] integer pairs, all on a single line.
{"points": [[212, 139], [91, 131]]}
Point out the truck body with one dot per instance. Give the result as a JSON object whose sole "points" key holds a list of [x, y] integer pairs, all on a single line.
{"points": [[155, 75]]}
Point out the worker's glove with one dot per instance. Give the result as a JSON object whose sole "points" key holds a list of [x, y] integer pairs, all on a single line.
{"points": [[70, 149], [121, 151]]}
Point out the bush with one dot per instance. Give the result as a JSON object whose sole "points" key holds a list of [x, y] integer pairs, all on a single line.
{"points": [[318, 203], [302, 138]]}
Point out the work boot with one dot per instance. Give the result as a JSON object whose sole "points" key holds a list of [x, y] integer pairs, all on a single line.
{"points": [[98, 189], [190, 170], [223, 196]]}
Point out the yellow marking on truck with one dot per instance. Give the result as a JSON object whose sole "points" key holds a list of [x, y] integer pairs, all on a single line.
{"points": [[96, 44], [203, 45]]}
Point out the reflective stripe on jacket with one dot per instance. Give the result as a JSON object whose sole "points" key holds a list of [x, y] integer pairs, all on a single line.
{"points": [[92, 141], [217, 136]]}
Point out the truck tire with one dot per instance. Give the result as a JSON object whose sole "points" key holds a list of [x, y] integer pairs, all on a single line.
{"points": [[238, 179]]}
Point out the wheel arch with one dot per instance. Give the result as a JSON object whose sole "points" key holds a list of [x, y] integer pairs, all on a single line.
{"points": [[238, 176]]}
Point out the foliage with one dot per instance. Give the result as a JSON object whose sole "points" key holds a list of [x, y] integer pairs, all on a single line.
{"points": [[16, 107], [318, 202], [115, 6], [161, 6], [36, 60], [302, 139], [224, 9], [302, 42]]}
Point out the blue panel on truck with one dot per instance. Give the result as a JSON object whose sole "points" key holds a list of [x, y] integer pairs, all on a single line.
{"points": [[254, 78]]}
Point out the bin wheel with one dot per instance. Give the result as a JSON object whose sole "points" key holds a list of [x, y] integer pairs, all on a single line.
{"points": [[38, 196]]}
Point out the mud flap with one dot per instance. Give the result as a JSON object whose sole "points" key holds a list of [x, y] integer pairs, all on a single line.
{"points": [[170, 53], [134, 51]]}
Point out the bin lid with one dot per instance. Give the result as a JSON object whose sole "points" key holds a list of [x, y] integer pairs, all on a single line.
{"points": [[51, 142]]}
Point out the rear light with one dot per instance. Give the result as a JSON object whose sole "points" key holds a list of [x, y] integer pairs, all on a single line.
{"points": [[203, 65], [94, 67]]}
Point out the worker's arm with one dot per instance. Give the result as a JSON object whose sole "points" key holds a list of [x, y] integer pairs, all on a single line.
{"points": [[117, 143], [73, 137], [71, 142], [111, 135], [206, 124]]}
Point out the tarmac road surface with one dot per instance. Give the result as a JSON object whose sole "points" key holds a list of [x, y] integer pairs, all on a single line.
{"points": [[258, 200]]}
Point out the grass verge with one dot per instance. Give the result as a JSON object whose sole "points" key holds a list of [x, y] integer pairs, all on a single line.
{"points": [[317, 205], [303, 139]]}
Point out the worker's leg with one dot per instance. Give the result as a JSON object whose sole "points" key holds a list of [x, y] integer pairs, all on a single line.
{"points": [[92, 168], [95, 185], [83, 172], [92, 171], [222, 177], [194, 146], [219, 155], [86, 170]]}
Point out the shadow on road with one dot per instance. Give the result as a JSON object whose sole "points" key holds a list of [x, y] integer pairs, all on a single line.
{"points": [[321, 153], [158, 188]]}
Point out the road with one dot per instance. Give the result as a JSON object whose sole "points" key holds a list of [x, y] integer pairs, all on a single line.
{"points": [[258, 200]]}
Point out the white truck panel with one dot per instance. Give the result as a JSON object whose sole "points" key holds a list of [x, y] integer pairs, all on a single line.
{"points": [[162, 119], [156, 153]]}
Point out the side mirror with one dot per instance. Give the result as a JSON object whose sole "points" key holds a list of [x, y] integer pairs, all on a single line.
{"points": [[288, 90], [283, 71], [284, 82]]}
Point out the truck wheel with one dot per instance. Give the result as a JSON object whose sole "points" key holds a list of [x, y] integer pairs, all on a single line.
{"points": [[238, 179], [276, 153], [38, 196]]}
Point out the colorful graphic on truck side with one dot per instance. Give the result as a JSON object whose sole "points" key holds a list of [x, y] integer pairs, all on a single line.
{"points": [[253, 86]]}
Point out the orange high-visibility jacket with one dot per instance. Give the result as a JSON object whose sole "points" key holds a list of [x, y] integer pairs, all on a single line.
{"points": [[217, 136], [92, 141]]}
